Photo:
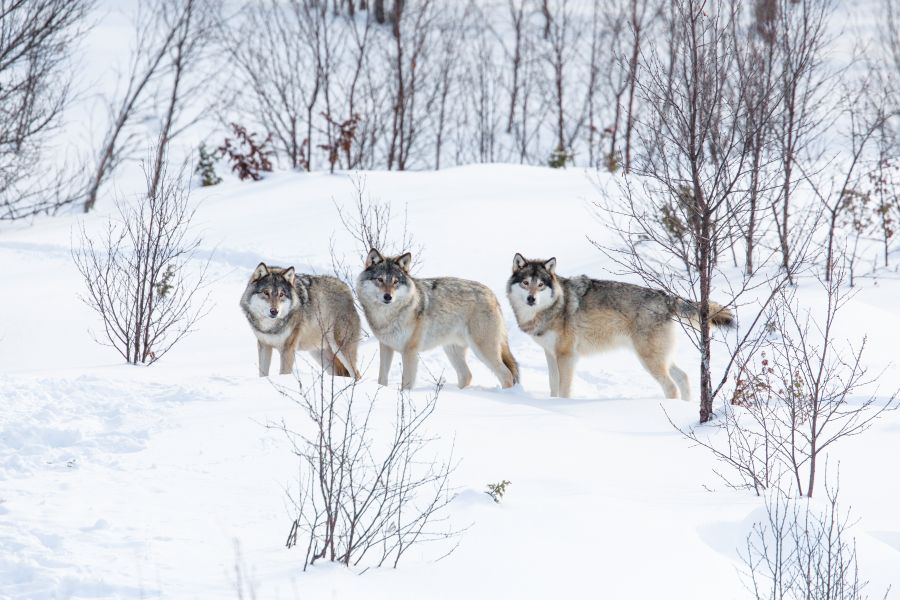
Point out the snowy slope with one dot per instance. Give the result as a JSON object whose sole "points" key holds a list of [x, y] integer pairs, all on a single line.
{"points": [[128, 482]]}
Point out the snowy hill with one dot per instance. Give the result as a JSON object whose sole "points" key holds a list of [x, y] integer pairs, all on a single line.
{"points": [[133, 482]]}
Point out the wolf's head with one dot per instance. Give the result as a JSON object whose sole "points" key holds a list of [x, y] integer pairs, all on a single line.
{"points": [[271, 290], [385, 278], [533, 282]]}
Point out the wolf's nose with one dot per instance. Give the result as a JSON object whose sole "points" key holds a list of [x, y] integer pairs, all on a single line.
{"points": [[387, 297], [273, 312], [530, 300]]}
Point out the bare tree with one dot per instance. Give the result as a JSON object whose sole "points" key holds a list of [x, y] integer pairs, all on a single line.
{"points": [[36, 37], [276, 50], [414, 29], [136, 275], [691, 202], [757, 66], [797, 394], [362, 498], [159, 26], [563, 34], [192, 21], [837, 190], [800, 34]]}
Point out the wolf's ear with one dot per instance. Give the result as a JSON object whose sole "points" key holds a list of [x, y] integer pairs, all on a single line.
{"points": [[518, 262], [550, 265], [289, 274], [373, 258], [261, 271], [405, 260]]}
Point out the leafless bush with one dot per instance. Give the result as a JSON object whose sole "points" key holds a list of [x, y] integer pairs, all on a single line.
{"points": [[796, 553], [248, 155], [370, 224], [797, 395], [136, 275], [35, 43], [366, 495]]}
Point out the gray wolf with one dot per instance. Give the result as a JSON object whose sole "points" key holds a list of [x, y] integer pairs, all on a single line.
{"points": [[410, 315], [577, 316], [291, 312]]}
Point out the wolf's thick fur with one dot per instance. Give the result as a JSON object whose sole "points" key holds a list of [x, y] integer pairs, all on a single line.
{"points": [[410, 315], [293, 312], [577, 316]]}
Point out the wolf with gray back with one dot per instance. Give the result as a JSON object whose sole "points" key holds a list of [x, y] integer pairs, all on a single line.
{"points": [[410, 315], [578, 316], [291, 312]]}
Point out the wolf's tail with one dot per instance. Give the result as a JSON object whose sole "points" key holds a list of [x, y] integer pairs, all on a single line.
{"points": [[719, 316], [510, 361]]}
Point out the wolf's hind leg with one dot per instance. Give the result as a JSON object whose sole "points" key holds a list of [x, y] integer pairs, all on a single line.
{"points": [[684, 384], [265, 358], [654, 348], [490, 354], [553, 371], [457, 356], [658, 366]]}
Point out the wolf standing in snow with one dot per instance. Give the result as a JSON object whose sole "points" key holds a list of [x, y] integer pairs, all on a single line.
{"points": [[410, 315], [293, 312], [577, 316]]}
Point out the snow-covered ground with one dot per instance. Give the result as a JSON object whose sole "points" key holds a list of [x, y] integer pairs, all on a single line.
{"points": [[133, 482]]}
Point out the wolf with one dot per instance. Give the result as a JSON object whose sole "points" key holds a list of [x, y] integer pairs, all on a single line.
{"points": [[410, 315], [577, 316], [293, 312]]}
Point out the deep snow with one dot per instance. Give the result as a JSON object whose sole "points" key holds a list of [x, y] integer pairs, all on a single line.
{"points": [[130, 482]]}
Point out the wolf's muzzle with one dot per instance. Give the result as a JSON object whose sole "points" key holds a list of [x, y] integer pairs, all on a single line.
{"points": [[530, 300], [387, 298], [273, 312]]}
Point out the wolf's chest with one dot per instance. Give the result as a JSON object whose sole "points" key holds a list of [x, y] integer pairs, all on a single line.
{"points": [[275, 339]]}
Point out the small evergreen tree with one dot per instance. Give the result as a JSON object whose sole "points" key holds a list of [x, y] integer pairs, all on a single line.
{"points": [[560, 158], [206, 167], [496, 490]]}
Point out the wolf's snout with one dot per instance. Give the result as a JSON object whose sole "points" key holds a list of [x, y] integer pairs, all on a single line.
{"points": [[273, 312], [387, 298], [530, 300]]}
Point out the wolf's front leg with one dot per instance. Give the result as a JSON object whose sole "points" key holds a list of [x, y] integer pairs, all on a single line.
{"points": [[265, 358], [386, 356], [287, 360], [565, 363], [553, 371], [410, 365]]}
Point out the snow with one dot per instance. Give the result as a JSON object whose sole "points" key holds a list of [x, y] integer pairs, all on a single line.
{"points": [[133, 482]]}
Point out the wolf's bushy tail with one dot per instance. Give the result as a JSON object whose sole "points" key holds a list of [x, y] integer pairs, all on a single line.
{"points": [[719, 316], [510, 361]]}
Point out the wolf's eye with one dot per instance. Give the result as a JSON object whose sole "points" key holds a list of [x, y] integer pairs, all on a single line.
{"points": [[281, 294], [380, 280], [266, 293], [525, 284], [540, 284]]}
